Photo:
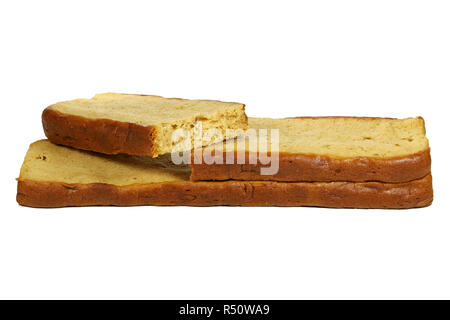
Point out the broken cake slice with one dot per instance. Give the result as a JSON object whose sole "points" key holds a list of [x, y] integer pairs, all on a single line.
{"points": [[113, 123]]}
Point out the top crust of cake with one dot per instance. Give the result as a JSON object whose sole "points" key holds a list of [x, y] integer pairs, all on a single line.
{"points": [[145, 110], [46, 161], [343, 137]]}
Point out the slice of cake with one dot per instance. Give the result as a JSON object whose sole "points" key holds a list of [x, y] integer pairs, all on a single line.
{"points": [[58, 176], [114, 123], [322, 149]]}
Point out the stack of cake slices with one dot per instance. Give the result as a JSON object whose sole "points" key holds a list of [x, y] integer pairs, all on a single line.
{"points": [[126, 150]]}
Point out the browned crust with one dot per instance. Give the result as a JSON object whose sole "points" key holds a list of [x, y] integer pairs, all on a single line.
{"points": [[418, 193], [300, 167], [100, 135]]}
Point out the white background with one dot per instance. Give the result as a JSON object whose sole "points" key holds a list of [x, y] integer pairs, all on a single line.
{"points": [[281, 58]]}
